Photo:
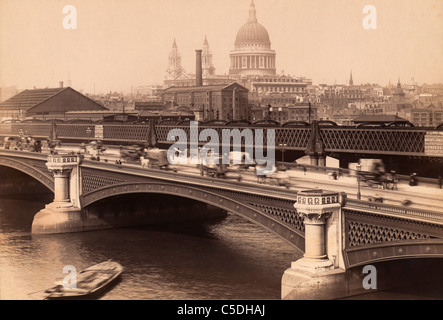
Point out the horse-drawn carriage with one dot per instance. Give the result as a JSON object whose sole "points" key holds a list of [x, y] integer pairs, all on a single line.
{"points": [[131, 153], [373, 173], [157, 159], [213, 165]]}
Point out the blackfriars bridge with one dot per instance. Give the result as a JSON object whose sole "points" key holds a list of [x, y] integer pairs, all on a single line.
{"points": [[337, 235]]}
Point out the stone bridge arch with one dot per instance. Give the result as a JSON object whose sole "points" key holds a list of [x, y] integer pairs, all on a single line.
{"points": [[235, 206]]}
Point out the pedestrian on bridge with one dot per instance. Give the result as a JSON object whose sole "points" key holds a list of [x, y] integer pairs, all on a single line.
{"points": [[413, 179]]}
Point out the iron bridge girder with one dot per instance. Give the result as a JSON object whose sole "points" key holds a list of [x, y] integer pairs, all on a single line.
{"points": [[32, 167], [372, 237], [236, 206]]}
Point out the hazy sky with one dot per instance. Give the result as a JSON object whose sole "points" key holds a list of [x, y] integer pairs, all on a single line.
{"points": [[124, 43]]}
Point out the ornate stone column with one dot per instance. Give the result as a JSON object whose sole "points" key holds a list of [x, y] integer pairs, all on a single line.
{"points": [[316, 206], [321, 211], [61, 167], [64, 214], [61, 185]]}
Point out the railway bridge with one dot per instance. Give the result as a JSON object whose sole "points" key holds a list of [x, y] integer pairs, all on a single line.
{"points": [[403, 149], [338, 236]]}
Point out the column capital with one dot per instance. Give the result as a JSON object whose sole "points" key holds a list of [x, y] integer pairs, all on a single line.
{"points": [[317, 205], [315, 217], [62, 163], [60, 171]]}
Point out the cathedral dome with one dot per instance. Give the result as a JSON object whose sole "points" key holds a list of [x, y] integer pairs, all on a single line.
{"points": [[252, 32], [252, 54]]}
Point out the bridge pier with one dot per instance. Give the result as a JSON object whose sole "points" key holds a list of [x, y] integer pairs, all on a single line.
{"points": [[320, 273], [64, 214]]}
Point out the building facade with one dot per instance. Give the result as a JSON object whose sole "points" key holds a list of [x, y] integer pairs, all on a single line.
{"points": [[426, 117], [216, 102]]}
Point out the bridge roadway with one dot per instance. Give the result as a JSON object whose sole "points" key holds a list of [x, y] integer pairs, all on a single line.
{"points": [[423, 196]]}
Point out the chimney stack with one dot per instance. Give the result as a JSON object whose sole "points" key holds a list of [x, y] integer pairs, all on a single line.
{"points": [[61, 84], [198, 69]]}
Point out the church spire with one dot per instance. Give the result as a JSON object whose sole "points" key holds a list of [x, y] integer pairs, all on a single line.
{"points": [[351, 82], [175, 65], [208, 67], [252, 12]]}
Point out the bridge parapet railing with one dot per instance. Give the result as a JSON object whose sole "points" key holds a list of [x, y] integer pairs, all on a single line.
{"points": [[400, 211]]}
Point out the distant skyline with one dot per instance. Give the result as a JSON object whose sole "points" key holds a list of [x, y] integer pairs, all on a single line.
{"points": [[119, 44]]}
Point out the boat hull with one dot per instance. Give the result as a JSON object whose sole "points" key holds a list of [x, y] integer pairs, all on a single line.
{"points": [[91, 282]]}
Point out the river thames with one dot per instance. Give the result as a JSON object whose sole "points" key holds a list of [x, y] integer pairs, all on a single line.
{"points": [[224, 259]]}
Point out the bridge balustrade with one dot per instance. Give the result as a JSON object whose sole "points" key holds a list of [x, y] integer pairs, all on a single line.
{"points": [[399, 211]]}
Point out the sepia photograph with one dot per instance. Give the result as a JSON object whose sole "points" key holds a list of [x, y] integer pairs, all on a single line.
{"points": [[221, 154]]}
